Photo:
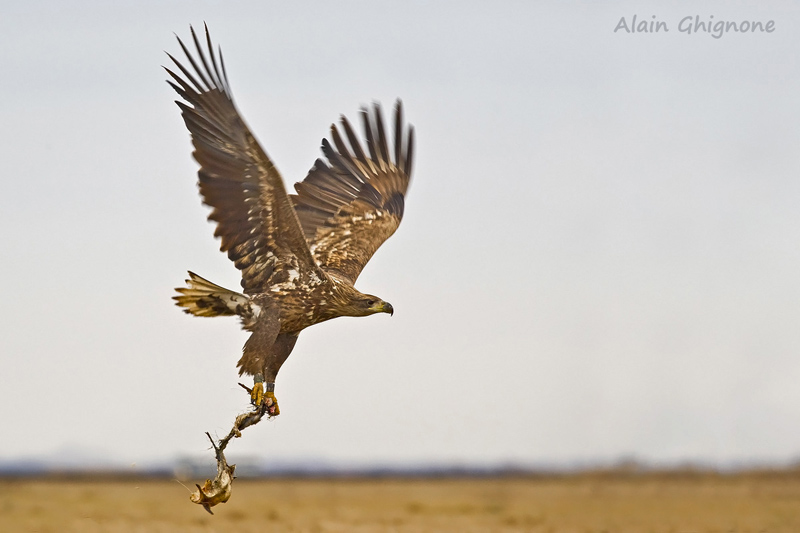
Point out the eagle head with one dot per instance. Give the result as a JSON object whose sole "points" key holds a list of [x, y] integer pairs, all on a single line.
{"points": [[367, 304], [348, 301]]}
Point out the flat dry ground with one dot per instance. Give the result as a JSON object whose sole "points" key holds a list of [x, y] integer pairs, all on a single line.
{"points": [[613, 503]]}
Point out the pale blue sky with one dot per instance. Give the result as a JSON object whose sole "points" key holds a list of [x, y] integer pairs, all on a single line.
{"points": [[599, 258]]}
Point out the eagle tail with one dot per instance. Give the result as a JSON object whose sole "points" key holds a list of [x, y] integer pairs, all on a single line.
{"points": [[203, 298]]}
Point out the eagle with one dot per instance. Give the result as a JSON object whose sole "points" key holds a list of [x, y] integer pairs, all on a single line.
{"points": [[299, 254]]}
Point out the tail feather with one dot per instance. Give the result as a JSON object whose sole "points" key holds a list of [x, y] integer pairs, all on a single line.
{"points": [[203, 298]]}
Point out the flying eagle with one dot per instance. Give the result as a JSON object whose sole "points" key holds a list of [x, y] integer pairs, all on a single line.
{"points": [[299, 254]]}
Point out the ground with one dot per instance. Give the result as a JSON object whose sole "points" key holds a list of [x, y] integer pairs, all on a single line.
{"points": [[580, 503]]}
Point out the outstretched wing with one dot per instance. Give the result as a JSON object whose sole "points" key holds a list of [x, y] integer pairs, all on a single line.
{"points": [[349, 205], [254, 216]]}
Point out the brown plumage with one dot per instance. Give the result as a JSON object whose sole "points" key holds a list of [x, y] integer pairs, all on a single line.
{"points": [[299, 254]]}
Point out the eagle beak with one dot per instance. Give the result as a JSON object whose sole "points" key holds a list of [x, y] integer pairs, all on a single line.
{"points": [[387, 308]]}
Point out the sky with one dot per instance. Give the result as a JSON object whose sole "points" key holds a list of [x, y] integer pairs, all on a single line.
{"points": [[598, 260]]}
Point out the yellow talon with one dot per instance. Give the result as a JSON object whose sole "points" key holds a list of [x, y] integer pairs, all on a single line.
{"points": [[272, 404], [257, 394]]}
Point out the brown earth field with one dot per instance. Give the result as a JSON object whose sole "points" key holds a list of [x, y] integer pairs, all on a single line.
{"points": [[676, 502]]}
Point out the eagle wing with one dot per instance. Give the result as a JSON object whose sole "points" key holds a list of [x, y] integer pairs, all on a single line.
{"points": [[350, 204], [255, 218]]}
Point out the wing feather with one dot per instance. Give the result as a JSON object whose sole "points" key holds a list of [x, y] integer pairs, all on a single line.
{"points": [[256, 222], [349, 205]]}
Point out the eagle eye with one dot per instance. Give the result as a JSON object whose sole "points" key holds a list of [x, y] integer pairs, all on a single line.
{"points": [[370, 303]]}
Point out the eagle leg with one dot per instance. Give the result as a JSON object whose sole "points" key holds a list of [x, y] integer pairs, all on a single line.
{"points": [[257, 393], [279, 352]]}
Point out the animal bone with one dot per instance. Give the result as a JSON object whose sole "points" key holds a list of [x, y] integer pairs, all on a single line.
{"points": [[218, 490]]}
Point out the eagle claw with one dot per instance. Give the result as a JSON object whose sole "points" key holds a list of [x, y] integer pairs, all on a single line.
{"points": [[258, 397], [272, 404], [257, 394]]}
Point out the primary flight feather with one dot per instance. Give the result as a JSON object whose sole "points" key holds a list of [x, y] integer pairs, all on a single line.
{"points": [[299, 254]]}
